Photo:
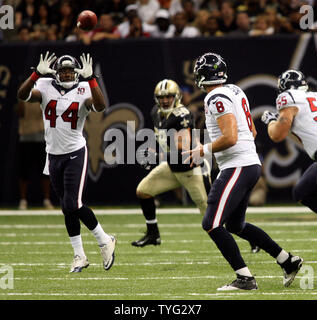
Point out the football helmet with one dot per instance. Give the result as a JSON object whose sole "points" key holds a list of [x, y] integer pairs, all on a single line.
{"points": [[63, 62], [167, 88], [210, 69], [291, 79]]}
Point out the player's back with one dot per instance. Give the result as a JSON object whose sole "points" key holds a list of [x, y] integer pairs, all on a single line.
{"points": [[64, 114], [230, 99], [305, 122]]}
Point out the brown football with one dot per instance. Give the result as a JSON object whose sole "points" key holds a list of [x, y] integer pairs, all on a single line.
{"points": [[87, 20]]}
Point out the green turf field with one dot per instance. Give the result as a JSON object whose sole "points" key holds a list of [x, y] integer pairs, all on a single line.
{"points": [[186, 266]]}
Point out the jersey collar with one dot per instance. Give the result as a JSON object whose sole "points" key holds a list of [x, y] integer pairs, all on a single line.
{"points": [[63, 90]]}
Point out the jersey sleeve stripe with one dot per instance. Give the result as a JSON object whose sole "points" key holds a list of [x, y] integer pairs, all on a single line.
{"points": [[218, 95], [291, 96]]}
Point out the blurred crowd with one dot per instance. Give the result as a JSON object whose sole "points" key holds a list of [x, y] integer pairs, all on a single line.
{"points": [[53, 20]]}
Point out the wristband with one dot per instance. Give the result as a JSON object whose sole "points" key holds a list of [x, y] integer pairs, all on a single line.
{"points": [[206, 150], [34, 76], [93, 83]]}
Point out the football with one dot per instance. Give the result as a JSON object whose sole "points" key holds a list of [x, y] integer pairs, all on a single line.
{"points": [[86, 20]]}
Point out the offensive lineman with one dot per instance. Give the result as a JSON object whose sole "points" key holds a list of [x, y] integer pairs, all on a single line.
{"points": [[232, 132], [65, 103], [297, 113], [169, 114]]}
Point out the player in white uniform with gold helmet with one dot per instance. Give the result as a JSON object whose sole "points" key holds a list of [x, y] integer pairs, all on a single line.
{"points": [[65, 103], [297, 114]]}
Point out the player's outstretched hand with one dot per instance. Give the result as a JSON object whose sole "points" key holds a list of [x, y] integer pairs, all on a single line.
{"points": [[195, 156], [43, 67], [268, 116], [86, 72]]}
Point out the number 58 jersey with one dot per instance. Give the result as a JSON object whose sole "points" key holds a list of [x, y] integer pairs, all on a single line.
{"points": [[64, 115], [305, 122], [230, 99]]}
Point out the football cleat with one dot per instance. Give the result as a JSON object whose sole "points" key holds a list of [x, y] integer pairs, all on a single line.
{"points": [[149, 238], [290, 268], [241, 283], [79, 263], [107, 253]]}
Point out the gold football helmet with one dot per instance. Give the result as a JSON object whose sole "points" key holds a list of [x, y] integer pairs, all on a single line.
{"points": [[167, 88]]}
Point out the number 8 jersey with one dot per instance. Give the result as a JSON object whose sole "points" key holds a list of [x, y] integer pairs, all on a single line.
{"points": [[64, 115], [305, 122], [224, 100]]}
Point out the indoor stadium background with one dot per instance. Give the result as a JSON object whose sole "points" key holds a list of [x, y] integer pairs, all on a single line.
{"points": [[34, 248], [128, 71]]}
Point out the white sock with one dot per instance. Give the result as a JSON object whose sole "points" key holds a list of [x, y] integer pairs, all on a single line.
{"points": [[282, 257], [77, 245], [244, 272], [101, 237]]}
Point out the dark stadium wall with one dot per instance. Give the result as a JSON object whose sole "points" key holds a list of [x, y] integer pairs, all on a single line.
{"points": [[128, 71]]}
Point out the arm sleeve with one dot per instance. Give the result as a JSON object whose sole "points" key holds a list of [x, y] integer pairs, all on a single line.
{"points": [[284, 100], [39, 85], [220, 105]]}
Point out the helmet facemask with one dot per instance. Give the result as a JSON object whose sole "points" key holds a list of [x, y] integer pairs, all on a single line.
{"points": [[63, 63], [167, 88]]}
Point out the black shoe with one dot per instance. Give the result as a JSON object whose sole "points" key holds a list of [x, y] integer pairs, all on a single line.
{"points": [[290, 268], [149, 238], [254, 248], [241, 283]]}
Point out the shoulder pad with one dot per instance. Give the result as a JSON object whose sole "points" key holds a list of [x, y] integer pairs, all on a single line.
{"points": [[180, 111]]}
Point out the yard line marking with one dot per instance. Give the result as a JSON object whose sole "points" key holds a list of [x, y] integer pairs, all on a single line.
{"points": [[180, 210], [150, 263], [141, 252], [142, 278], [9, 243], [163, 225]]}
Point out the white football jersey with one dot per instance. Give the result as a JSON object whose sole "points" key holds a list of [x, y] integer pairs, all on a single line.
{"points": [[64, 115], [231, 99], [305, 122]]}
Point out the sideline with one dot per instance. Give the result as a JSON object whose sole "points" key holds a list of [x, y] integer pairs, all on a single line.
{"points": [[180, 210]]}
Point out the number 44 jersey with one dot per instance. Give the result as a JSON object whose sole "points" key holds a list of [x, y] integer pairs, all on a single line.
{"points": [[305, 122], [64, 115], [230, 99]]}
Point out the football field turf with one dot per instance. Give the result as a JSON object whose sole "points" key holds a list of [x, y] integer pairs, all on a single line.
{"points": [[186, 266]]}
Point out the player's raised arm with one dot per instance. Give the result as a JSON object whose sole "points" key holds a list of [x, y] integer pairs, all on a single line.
{"points": [[26, 91], [97, 101]]}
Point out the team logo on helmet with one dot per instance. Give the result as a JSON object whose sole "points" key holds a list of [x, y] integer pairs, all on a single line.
{"points": [[292, 79], [210, 69]]}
